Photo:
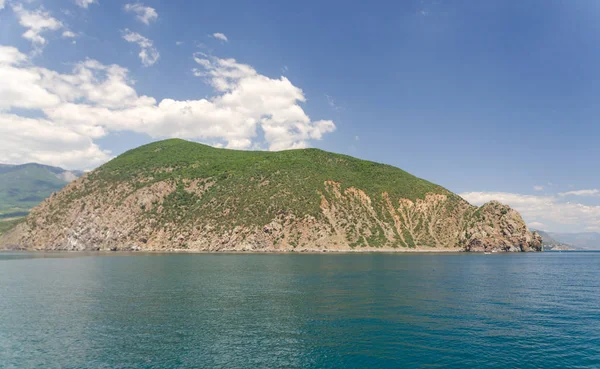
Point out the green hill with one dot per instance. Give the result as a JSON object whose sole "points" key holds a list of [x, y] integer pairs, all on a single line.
{"points": [[176, 194], [300, 172], [23, 187]]}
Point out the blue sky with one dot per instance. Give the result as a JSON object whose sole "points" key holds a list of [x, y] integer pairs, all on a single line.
{"points": [[491, 99]]}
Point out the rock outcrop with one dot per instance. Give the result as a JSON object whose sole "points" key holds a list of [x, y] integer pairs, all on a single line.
{"points": [[497, 227], [186, 207]]}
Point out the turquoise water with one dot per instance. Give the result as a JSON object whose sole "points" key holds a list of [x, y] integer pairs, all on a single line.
{"points": [[300, 311]]}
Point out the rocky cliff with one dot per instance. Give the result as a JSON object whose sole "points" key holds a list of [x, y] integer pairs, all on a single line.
{"points": [[178, 195]]}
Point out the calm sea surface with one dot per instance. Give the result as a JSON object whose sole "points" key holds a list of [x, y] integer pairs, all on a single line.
{"points": [[300, 311]]}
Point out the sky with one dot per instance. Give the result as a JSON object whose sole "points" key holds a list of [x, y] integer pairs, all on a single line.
{"points": [[494, 100]]}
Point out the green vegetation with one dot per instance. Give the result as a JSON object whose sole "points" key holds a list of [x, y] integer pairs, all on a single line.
{"points": [[22, 187], [176, 194], [302, 167], [6, 225], [255, 185]]}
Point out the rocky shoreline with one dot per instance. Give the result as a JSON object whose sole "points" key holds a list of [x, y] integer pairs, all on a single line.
{"points": [[235, 251]]}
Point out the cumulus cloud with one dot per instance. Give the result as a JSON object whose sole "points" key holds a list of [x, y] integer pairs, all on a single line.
{"points": [[84, 3], [2, 3], [20, 86], [42, 141], [144, 14], [273, 104], [36, 22], [11, 55], [220, 36], [76, 108], [593, 192], [565, 216], [148, 53]]}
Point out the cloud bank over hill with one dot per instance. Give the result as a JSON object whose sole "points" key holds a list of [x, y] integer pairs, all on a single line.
{"points": [[72, 110]]}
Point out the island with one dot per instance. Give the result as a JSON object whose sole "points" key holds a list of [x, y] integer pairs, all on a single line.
{"points": [[176, 195]]}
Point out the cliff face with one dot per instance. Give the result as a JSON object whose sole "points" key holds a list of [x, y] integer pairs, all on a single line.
{"points": [[274, 202], [497, 227]]}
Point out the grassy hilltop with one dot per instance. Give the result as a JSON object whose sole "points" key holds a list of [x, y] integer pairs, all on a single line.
{"points": [[239, 175]]}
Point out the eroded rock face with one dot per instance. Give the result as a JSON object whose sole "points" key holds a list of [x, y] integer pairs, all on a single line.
{"points": [[87, 216], [497, 227]]}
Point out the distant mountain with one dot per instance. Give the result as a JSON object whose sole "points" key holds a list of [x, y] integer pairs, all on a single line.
{"points": [[550, 243], [23, 187], [179, 195], [584, 240]]}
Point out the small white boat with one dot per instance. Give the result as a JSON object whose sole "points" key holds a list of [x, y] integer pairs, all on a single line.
{"points": [[487, 253]]}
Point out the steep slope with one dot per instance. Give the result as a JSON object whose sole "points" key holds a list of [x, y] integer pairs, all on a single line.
{"points": [[176, 194], [24, 186]]}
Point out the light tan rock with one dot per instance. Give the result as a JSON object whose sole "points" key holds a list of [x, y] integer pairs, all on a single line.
{"points": [[86, 216]]}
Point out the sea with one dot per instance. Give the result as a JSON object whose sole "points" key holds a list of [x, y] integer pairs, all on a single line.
{"points": [[404, 310]]}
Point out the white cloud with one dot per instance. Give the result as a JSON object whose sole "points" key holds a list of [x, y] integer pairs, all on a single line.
{"points": [[551, 210], [93, 100], [20, 85], [2, 2], [537, 225], [220, 36], [40, 140], [36, 22], [593, 192], [538, 188], [144, 14], [178, 43], [11, 55], [273, 104], [479, 198], [148, 53], [84, 3], [69, 34]]}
